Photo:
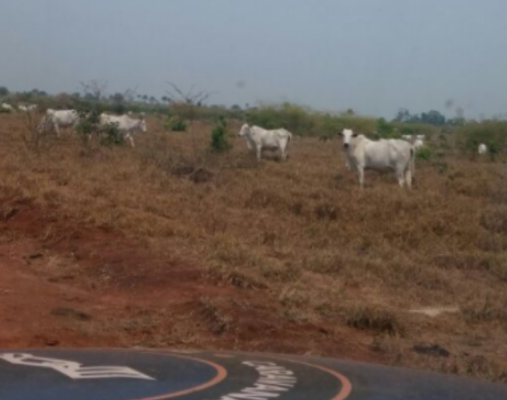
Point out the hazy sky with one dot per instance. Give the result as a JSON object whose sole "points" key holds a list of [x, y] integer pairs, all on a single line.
{"points": [[374, 56]]}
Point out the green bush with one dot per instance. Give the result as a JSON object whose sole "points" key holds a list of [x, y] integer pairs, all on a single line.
{"points": [[89, 124], [176, 124], [110, 135], [303, 121], [424, 154], [386, 130], [492, 133], [494, 148], [89, 119], [219, 140]]}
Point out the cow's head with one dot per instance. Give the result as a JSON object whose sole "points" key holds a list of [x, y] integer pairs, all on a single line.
{"points": [[347, 135], [244, 130]]}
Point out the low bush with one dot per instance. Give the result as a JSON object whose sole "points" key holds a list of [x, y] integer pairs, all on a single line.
{"points": [[219, 140]]}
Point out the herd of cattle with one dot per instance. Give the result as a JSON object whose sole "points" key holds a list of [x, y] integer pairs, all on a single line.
{"points": [[361, 153], [56, 119]]}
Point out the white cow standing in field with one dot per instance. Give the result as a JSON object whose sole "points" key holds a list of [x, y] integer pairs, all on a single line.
{"points": [[126, 125], [7, 107], [27, 108], [56, 119], [259, 139], [385, 154], [483, 149], [408, 138]]}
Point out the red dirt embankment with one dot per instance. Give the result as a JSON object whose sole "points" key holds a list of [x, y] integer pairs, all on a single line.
{"points": [[72, 286]]}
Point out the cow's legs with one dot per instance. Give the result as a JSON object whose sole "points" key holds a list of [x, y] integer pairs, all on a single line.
{"points": [[283, 154], [259, 152], [131, 141], [401, 177], [360, 171]]}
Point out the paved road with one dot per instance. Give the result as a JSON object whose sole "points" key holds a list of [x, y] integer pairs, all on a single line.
{"points": [[158, 375]]}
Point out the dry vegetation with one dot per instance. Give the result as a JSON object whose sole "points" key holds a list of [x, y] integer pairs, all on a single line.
{"points": [[278, 256]]}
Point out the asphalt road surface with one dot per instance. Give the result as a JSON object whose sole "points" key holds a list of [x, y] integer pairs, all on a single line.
{"points": [[193, 375]]}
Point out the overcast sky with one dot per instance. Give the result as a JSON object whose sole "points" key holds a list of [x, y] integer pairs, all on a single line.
{"points": [[374, 56]]}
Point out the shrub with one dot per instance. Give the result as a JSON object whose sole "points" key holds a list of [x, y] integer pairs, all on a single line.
{"points": [[89, 119], [386, 130], [494, 148], [89, 124], [110, 135], [491, 133], [219, 141], [424, 154], [176, 124]]}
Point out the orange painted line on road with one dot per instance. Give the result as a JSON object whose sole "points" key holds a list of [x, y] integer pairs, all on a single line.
{"points": [[345, 382], [220, 376]]}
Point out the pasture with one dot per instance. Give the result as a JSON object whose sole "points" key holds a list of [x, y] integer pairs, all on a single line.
{"points": [[171, 245]]}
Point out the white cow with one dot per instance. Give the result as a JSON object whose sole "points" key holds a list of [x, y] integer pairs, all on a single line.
{"points": [[27, 108], [126, 125], [483, 149], [7, 107], [408, 138], [420, 137], [56, 119], [385, 154], [259, 139], [418, 143]]}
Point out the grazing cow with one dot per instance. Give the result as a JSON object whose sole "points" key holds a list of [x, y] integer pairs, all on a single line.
{"points": [[126, 125], [483, 149], [408, 138], [6, 107], [259, 139], [420, 137], [385, 154], [27, 108], [56, 119], [418, 143]]}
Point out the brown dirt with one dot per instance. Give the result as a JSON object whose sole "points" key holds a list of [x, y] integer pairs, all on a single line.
{"points": [[167, 245]]}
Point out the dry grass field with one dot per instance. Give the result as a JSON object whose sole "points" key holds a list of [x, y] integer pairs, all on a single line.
{"points": [[167, 245]]}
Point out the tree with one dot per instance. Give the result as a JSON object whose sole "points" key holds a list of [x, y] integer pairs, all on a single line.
{"points": [[175, 94], [403, 115], [94, 89], [117, 98], [4, 91], [433, 118]]}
